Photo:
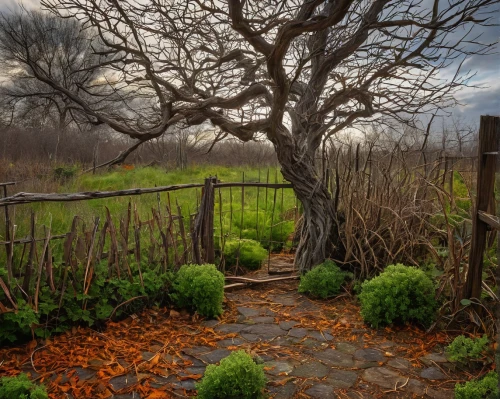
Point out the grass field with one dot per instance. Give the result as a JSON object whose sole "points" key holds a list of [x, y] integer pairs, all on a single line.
{"points": [[256, 222]]}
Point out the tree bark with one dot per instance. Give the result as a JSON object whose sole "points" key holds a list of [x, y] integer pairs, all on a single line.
{"points": [[319, 235]]}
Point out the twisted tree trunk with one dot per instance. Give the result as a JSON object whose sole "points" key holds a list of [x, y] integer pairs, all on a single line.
{"points": [[319, 231]]}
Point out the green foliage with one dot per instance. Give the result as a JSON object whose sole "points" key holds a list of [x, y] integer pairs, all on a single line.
{"points": [[65, 172], [263, 220], [250, 253], [486, 388], [399, 294], [199, 287], [323, 281], [237, 377], [20, 387], [106, 290], [463, 349], [104, 295], [17, 324]]}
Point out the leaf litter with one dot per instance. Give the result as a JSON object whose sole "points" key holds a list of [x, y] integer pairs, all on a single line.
{"points": [[147, 350]]}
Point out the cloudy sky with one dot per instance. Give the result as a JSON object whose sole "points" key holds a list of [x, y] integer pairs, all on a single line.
{"points": [[475, 101]]}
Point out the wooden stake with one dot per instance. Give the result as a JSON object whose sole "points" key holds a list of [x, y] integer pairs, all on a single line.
{"points": [[489, 137]]}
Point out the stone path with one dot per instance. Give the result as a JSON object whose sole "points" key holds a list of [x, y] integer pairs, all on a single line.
{"points": [[310, 349]]}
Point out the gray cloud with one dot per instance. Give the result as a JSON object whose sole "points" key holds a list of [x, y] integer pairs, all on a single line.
{"points": [[487, 68], [13, 5], [479, 102]]}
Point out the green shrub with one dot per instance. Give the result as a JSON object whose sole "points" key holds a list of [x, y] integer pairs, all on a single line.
{"points": [[20, 387], [104, 295], [17, 325], [486, 388], [463, 349], [399, 294], [65, 172], [323, 281], [199, 287], [251, 253], [237, 376]]}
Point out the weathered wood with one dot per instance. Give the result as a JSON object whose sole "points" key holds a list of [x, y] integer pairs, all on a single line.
{"points": [[497, 283], [40, 266], [208, 234], [241, 224], [113, 250], [172, 232], [222, 241], [28, 240], [163, 235], [8, 247], [26, 198], [265, 185], [242, 282], [491, 220], [257, 217], [271, 232], [256, 280], [203, 229], [89, 267], [6, 291], [137, 248], [182, 232], [29, 266], [230, 210], [489, 134]]}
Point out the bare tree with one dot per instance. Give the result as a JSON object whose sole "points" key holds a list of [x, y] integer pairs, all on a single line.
{"points": [[34, 43], [299, 71]]}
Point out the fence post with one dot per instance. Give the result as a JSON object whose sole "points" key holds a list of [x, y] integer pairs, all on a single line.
{"points": [[203, 229], [497, 277], [8, 238], [489, 133]]}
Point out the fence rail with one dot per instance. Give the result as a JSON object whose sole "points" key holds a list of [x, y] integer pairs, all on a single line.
{"points": [[27, 198]]}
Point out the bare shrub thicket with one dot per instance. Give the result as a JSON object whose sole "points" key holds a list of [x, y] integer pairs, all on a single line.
{"points": [[397, 203], [35, 150], [187, 147]]}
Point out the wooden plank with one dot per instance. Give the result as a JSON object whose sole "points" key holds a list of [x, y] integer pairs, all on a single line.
{"points": [[26, 198], [208, 238], [491, 220], [242, 282], [8, 247], [265, 185], [28, 240], [489, 134], [10, 183], [256, 280]]}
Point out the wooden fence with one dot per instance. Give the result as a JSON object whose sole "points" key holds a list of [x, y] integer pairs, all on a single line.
{"points": [[385, 198], [167, 238]]}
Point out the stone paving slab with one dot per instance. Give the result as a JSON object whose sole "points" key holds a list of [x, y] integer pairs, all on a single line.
{"points": [[300, 358], [321, 391], [311, 369]]}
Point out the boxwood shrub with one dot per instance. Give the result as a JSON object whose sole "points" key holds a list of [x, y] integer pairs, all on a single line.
{"points": [[323, 281], [20, 387], [237, 376], [250, 253], [399, 294], [464, 349], [486, 388], [200, 288]]}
